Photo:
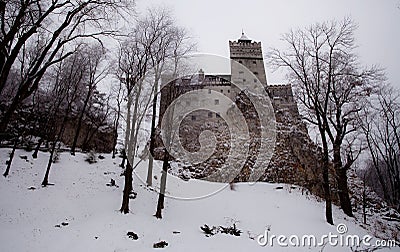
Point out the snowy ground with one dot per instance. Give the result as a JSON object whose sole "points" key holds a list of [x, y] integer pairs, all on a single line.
{"points": [[32, 220]]}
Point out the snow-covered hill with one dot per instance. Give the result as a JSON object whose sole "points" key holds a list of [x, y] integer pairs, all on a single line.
{"points": [[80, 212]]}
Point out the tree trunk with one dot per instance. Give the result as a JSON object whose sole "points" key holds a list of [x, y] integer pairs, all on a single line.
{"points": [[343, 191], [364, 202], [325, 176], [35, 153], [79, 126], [122, 165], [341, 179], [45, 181], [115, 142], [127, 188], [7, 171], [327, 192], [163, 183], [149, 179]]}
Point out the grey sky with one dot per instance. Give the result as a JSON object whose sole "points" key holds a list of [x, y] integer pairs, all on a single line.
{"points": [[214, 23]]}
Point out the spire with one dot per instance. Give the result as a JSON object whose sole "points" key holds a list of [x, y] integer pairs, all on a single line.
{"points": [[244, 38]]}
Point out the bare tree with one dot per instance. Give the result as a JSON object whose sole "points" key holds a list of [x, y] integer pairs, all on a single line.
{"points": [[330, 86], [142, 58], [94, 56], [50, 27], [118, 96], [172, 44], [381, 126], [133, 62], [65, 82]]}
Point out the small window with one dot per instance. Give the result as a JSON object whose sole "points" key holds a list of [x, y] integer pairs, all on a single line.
{"points": [[210, 114], [244, 80], [229, 90], [255, 73], [218, 115], [222, 91], [240, 61], [193, 118], [254, 62], [216, 102], [209, 91], [255, 80]]}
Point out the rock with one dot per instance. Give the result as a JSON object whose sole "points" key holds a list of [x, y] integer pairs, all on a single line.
{"points": [[160, 244], [112, 183], [132, 235]]}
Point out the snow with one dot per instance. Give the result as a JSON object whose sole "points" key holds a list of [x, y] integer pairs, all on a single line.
{"points": [[31, 220]]}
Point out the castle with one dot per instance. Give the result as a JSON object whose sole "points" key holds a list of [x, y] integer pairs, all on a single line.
{"points": [[249, 55], [293, 158]]}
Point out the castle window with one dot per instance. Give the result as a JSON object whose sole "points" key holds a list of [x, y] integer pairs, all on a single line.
{"points": [[240, 61], [229, 90], [210, 114], [216, 102], [193, 118], [222, 91], [255, 80], [255, 73], [255, 62]]}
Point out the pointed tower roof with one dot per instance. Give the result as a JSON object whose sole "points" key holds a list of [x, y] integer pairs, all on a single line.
{"points": [[244, 38]]}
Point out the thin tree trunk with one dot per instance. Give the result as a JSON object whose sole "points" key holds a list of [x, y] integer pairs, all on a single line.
{"points": [[327, 192], [114, 143], [163, 183], [35, 153], [129, 135], [78, 128], [127, 188], [7, 171], [364, 202], [167, 144], [45, 181], [325, 176], [116, 123], [134, 126], [149, 179], [122, 165]]}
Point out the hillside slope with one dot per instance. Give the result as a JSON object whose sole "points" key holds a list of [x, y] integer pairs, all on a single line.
{"points": [[80, 212]]}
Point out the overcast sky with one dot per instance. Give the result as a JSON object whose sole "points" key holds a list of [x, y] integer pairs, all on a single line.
{"points": [[214, 22]]}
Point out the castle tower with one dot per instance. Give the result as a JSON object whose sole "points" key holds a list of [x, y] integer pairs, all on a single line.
{"points": [[249, 54]]}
